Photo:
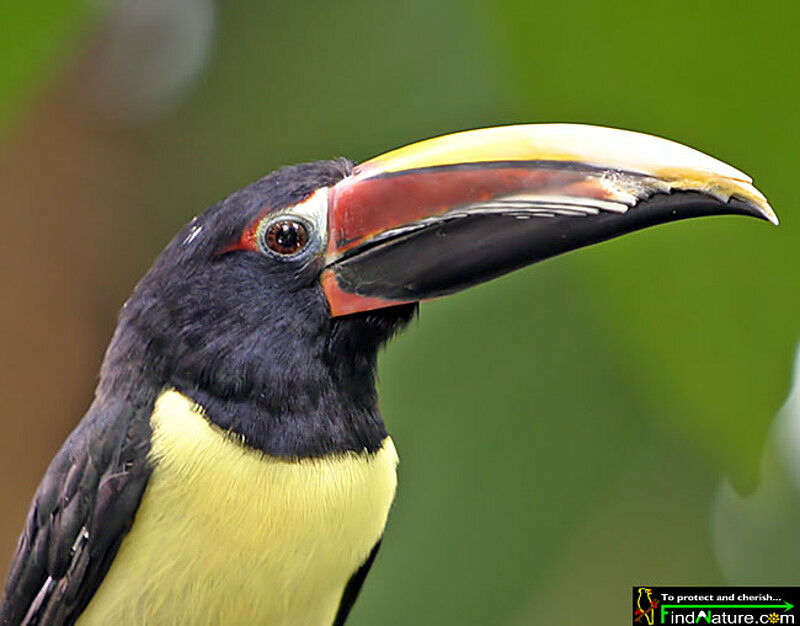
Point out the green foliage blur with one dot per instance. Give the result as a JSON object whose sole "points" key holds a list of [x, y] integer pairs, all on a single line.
{"points": [[34, 34], [563, 430]]}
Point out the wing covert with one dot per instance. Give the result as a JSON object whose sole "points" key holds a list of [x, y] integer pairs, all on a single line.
{"points": [[84, 506]]}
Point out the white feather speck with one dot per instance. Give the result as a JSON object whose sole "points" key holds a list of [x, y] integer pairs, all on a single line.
{"points": [[192, 235]]}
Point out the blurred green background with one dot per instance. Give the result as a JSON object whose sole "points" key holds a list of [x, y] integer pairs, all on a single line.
{"points": [[594, 422]]}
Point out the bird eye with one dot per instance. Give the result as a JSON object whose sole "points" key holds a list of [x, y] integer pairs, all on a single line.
{"points": [[286, 237]]}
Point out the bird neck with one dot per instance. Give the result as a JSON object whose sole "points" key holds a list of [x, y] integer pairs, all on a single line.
{"points": [[309, 401], [314, 419]]}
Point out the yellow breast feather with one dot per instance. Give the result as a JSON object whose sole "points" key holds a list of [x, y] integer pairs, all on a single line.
{"points": [[226, 534]]}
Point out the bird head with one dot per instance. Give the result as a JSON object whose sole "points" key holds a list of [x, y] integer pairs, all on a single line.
{"points": [[234, 303], [293, 283]]}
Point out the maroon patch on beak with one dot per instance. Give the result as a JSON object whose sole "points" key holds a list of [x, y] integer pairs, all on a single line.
{"points": [[362, 207]]}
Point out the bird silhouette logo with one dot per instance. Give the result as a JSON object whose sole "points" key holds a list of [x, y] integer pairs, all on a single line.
{"points": [[645, 608]]}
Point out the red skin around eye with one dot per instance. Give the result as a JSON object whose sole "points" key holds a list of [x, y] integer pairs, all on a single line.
{"points": [[248, 240]]}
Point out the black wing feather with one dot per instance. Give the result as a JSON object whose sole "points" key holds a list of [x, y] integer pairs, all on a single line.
{"points": [[82, 509], [353, 587]]}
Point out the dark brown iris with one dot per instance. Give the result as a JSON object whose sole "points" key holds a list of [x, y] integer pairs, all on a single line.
{"points": [[286, 237]]}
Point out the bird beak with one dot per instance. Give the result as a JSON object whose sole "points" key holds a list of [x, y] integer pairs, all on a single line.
{"points": [[441, 215]]}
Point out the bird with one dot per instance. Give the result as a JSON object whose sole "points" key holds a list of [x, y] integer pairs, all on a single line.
{"points": [[644, 606], [233, 467]]}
